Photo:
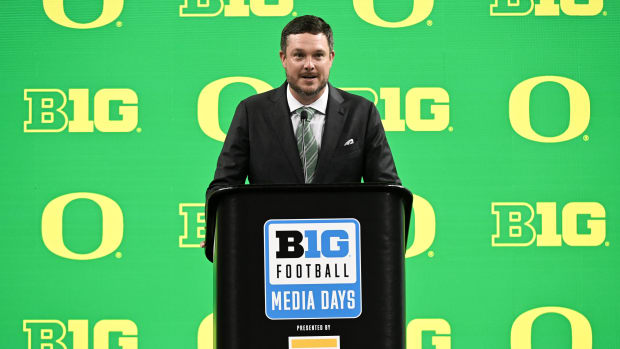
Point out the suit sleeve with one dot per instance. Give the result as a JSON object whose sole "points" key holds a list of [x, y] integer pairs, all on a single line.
{"points": [[378, 163], [232, 167], [233, 162]]}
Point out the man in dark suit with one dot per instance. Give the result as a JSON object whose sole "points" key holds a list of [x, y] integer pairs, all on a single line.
{"points": [[305, 131], [262, 142]]}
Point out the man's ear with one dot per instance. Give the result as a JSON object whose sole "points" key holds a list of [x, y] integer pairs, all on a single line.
{"points": [[282, 57]]}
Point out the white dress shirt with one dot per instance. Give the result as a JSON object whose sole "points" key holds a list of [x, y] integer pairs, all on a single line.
{"points": [[318, 120]]}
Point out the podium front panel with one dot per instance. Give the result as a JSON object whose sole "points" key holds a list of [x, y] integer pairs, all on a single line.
{"points": [[241, 311]]}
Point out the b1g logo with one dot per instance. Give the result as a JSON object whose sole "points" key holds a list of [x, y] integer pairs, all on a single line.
{"points": [[546, 7], [235, 8], [193, 224], [55, 10], [312, 268], [441, 338], [52, 334], [46, 110], [583, 224], [427, 109]]}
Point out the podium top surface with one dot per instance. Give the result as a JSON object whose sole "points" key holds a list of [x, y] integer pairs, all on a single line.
{"points": [[214, 199], [347, 187]]}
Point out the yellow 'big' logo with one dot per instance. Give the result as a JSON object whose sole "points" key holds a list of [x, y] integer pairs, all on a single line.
{"points": [[438, 120], [365, 9], [521, 332], [515, 227], [55, 10], [546, 7], [439, 117], [193, 224], [519, 109], [441, 327], [234, 8], [46, 110], [112, 226], [48, 334]]}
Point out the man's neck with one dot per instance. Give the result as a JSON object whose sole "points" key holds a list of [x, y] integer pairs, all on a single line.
{"points": [[306, 100], [320, 104]]}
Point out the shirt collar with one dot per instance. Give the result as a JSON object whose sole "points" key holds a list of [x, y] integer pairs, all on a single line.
{"points": [[319, 105]]}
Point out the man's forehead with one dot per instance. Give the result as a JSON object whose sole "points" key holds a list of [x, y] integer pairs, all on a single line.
{"points": [[299, 41]]}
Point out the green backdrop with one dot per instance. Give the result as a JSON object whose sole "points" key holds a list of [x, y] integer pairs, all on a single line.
{"points": [[503, 118]]}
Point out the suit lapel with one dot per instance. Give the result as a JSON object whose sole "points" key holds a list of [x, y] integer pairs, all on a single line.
{"points": [[280, 121], [334, 122]]}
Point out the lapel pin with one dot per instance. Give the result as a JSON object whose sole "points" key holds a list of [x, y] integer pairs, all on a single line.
{"points": [[349, 142]]}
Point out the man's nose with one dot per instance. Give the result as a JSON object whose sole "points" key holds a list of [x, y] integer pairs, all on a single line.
{"points": [[308, 63]]}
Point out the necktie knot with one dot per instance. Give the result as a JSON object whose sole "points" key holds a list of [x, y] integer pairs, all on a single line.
{"points": [[308, 111]]}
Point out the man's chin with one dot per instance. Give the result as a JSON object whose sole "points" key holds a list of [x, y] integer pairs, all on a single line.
{"points": [[307, 92]]}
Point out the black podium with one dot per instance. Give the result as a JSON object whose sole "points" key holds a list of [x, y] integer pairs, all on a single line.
{"points": [[309, 266]]}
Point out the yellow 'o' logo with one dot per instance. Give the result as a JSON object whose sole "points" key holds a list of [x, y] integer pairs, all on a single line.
{"points": [[521, 332], [205, 333], [208, 101], [55, 10], [112, 226], [519, 109], [365, 9], [424, 227]]}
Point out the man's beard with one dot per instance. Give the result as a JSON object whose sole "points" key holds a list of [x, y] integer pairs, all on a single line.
{"points": [[298, 89]]}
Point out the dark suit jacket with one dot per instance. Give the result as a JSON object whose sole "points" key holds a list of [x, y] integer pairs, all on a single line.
{"points": [[261, 145]]}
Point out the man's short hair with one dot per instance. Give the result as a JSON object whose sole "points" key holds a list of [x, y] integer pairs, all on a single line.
{"points": [[307, 24]]}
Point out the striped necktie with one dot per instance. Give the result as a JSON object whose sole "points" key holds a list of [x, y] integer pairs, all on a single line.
{"points": [[306, 144]]}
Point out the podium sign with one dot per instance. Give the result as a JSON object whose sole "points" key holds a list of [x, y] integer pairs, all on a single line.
{"points": [[312, 269], [309, 266]]}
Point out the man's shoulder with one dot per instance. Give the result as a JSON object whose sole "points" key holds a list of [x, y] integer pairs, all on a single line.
{"points": [[264, 97], [351, 98]]}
